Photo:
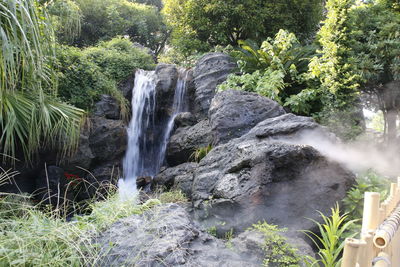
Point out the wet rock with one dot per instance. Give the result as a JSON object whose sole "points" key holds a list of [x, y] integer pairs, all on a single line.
{"points": [[166, 236], [167, 77], [108, 107], [184, 119], [210, 71], [180, 177], [260, 177], [127, 85], [233, 113], [107, 139], [143, 181], [184, 142]]}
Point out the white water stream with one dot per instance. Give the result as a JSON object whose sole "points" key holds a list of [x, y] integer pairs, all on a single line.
{"points": [[144, 155]]}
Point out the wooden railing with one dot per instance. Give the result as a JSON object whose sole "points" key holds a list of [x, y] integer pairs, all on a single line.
{"points": [[379, 243]]}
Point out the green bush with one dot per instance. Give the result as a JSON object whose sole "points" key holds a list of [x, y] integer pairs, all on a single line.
{"points": [[278, 251], [366, 182], [330, 239], [84, 75]]}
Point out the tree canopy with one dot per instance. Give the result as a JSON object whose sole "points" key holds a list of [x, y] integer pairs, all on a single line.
{"points": [[201, 24]]}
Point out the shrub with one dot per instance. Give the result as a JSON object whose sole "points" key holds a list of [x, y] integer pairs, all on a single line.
{"points": [[278, 252], [84, 75], [200, 153], [367, 182], [329, 241]]}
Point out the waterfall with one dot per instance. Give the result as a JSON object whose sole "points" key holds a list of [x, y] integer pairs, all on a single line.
{"points": [[145, 154]]}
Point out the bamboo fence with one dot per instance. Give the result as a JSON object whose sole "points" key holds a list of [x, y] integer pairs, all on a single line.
{"points": [[379, 243]]}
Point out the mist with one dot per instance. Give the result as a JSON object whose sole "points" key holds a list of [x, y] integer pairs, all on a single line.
{"points": [[357, 156]]}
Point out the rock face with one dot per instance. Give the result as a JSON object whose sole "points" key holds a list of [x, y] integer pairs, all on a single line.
{"points": [[262, 176], [167, 76], [186, 140], [184, 119], [180, 176], [166, 236], [51, 183], [233, 113], [210, 71], [108, 139], [107, 107]]}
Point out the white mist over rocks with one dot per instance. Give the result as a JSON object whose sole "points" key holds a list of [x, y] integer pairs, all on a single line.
{"points": [[357, 156]]}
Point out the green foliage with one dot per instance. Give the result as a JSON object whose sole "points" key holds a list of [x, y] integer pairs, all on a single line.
{"points": [[375, 32], [103, 20], [200, 24], [200, 153], [30, 115], [31, 237], [278, 252], [276, 70], [86, 74], [367, 182], [173, 196], [329, 240], [332, 68], [66, 18]]}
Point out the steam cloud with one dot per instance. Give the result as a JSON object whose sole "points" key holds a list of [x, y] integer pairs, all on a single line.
{"points": [[357, 156]]}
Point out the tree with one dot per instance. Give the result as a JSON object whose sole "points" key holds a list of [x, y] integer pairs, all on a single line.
{"points": [[199, 24], [31, 117], [104, 20], [376, 49]]}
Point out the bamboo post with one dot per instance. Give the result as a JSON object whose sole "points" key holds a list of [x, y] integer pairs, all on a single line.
{"points": [[371, 216], [366, 253], [350, 253]]}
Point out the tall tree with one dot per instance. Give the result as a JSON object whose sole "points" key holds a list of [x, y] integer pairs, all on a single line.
{"points": [[376, 48], [198, 24]]}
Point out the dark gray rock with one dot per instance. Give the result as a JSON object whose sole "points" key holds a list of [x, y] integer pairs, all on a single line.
{"points": [[82, 158], [166, 236], [167, 76], [127, 85], [181, 177], [210, 71], [258, 177], [184, 119], [233, 113], [108, 107], [51, 184], [184, 142], [108, 139]]}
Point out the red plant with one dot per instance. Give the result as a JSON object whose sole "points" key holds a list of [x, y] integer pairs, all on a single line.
{"points": [[72, 178]]}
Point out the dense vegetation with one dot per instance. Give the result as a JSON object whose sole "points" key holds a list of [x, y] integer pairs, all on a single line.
{"points": [[325, 59]]}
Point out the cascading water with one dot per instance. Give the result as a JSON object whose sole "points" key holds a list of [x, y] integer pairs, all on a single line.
{"points": [[145, 155]]}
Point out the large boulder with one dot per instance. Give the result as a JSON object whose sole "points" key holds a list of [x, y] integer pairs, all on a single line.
{"points": [[233, 113], [166, 236], [265, 175], [108, 107], [107, 139], [210, 71], [184, 142]]}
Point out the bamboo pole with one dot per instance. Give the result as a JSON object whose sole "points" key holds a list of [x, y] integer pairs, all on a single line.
{"points": [[371, 216], [366, 250], [350, 253]]}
